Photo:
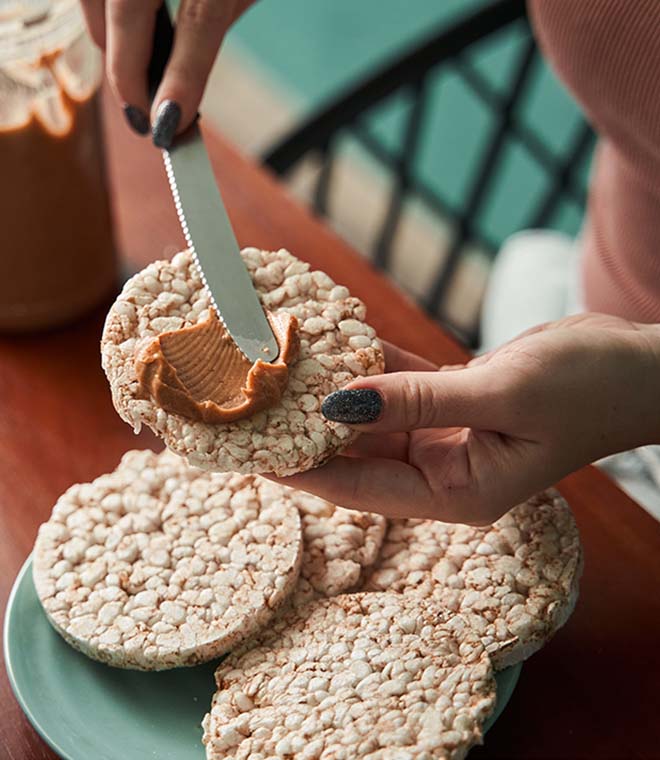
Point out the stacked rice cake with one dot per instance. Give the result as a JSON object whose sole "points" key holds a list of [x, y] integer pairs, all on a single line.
{"points": [[516, 581], [356, 676], [158, 565]]}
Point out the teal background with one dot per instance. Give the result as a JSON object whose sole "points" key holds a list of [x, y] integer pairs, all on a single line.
{"points": [[313, 49]]}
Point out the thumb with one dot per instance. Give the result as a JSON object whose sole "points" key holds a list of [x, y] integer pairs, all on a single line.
{"points": [[399, 401]]}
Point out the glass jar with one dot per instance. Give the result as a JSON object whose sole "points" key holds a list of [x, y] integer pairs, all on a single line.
{"points": [[57, 257]]}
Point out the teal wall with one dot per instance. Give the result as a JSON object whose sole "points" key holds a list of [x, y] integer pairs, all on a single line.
{"points": [[315, 48]]}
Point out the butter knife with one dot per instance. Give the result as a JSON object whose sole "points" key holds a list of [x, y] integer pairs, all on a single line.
{"points": [[206, 226]]}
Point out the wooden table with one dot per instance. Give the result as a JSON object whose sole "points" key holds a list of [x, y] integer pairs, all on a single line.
{"points": [[592, 692]]}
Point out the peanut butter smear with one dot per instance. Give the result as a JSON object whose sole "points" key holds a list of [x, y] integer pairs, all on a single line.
{"points": [[200, 373]]}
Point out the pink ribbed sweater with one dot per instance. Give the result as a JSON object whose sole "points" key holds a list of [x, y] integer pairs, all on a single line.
{"points": [[608, 54]]}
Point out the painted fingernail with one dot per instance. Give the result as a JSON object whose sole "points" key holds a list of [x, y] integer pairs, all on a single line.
{"points": [[353, 407], [167, 120], [137, 119]]}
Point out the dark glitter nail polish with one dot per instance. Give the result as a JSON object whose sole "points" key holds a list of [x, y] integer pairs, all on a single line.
{"points": [[166, 123], [353, 407], [137, 119]]}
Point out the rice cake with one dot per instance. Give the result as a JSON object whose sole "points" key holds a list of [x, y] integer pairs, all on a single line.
{"points": [[339, 544], [157, 565], [515, 581], [356, 676], [336, 346]]}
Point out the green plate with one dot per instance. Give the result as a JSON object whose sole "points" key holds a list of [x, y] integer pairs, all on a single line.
{"points": [[84, 709]]}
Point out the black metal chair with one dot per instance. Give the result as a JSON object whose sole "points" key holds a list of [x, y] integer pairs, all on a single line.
{"points": [[446, 51]]}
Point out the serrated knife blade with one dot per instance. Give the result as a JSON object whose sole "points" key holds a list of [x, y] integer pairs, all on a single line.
{"points": [[205, 222], [209, 235]]}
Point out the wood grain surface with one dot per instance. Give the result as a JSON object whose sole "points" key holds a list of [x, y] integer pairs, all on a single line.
{"points": [[591, 693]]}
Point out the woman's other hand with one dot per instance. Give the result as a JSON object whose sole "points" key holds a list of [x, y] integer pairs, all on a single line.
{"points": [[465, 444], [125, 28]]}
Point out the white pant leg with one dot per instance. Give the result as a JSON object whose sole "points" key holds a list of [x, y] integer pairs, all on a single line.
{"points": [[529, 284]]}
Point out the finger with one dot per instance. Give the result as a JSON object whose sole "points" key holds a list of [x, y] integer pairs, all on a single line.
{"points": [[488, 355], [474, 397], [477, 361], [372, 485], [399, 360], [389, 446], [130, 28], [451, 367], [94, 11], [390, 488], [200, 27]]}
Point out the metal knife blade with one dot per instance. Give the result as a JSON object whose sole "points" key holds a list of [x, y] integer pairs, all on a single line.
{"points": [[205, 222], [209, 235]]}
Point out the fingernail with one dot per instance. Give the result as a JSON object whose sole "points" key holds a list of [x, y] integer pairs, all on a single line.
{"points": [[137, 119], [167, 120], [353, 407]]}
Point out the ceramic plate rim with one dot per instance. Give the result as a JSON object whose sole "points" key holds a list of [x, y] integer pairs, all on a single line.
{"points": [[9, 664]]}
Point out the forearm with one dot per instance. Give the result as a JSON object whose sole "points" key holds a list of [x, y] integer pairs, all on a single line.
{"points": [[649, 337], [629, 416], [587, 386]]}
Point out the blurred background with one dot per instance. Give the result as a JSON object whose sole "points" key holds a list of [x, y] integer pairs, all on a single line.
{"points": [[287, 60], [424, 132]]}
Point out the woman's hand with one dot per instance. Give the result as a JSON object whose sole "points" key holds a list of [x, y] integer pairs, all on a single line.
{"points": [[124, 29], [465, 444]]}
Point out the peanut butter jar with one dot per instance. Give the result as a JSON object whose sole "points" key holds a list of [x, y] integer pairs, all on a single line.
{"points": [[58, 258]]}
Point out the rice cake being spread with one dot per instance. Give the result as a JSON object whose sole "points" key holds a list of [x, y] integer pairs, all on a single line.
{"points": [[156, 565], [338, 544], [336, 346], [515, 581], [356, 676], [179, 371]]}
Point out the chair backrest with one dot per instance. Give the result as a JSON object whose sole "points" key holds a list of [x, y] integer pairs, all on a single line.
{"points": [[482, 144]]}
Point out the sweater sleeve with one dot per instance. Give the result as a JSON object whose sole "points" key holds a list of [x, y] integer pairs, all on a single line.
{"points": [[607, 52]]}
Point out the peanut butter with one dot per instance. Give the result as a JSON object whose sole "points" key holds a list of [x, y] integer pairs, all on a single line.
{"points": [[200, 373]]}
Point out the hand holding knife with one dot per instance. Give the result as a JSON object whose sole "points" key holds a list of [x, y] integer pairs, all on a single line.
{"points": [[206, 226]]}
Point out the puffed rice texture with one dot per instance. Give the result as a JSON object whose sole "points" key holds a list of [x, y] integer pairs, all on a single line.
{"points": [[356, 676], [336, 347], [157, 565], [339, 545], [516, 581]]}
